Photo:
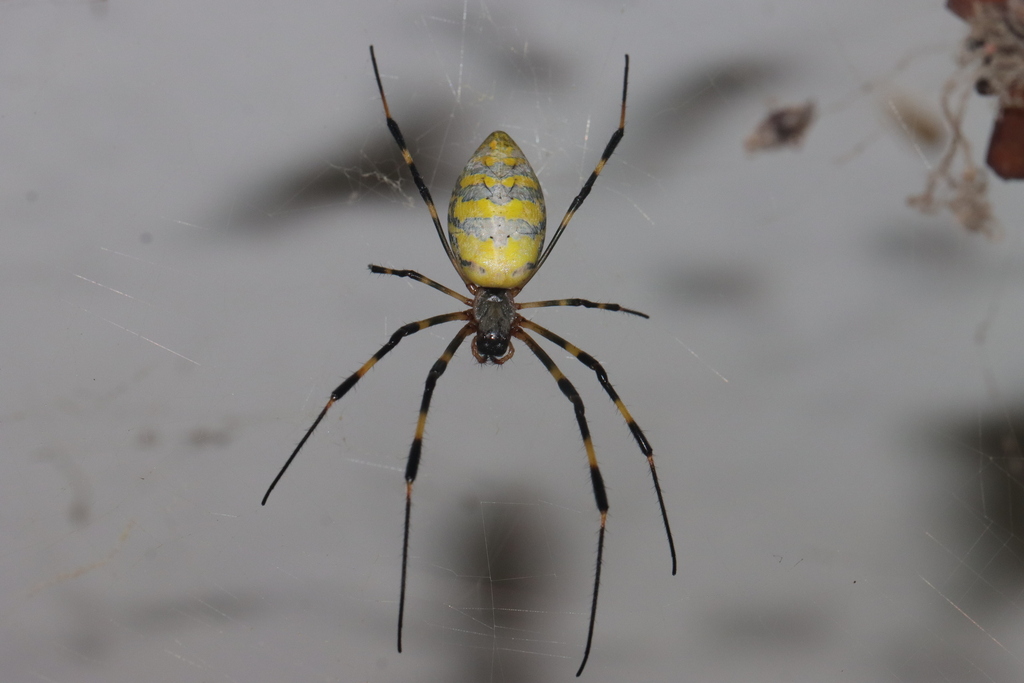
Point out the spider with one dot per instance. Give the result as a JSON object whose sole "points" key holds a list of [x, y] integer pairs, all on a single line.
{"points": [[496, 225]]}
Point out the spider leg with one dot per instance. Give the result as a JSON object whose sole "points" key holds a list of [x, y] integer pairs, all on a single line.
{"points": [[413, 275], [416, 177], [413, 464], [581, 302], [587, 186], [600, 496], [638, 435], [399, 334]]}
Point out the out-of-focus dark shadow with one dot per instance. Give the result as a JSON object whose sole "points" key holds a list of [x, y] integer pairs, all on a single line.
{"points": [[723, 285], [370, 169], [504, 612], [939, 247], [79, 505], [983, 509], [361, 169], [685, 111], [779, 628], [511, 58], [539, 69], [181, 612], [974, 469], [94, 626]]}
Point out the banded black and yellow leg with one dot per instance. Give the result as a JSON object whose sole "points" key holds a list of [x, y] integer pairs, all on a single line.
{"points": [[600, 496], [638, 435], [588, 186], [396, 133], [342, 389], [413, 464], [413, 275], [581, 302]]}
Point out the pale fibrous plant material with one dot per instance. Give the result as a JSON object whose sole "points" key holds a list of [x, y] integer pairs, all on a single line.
{"points": [[781, 127], [496, 227], [963, 191], [991, 62]]}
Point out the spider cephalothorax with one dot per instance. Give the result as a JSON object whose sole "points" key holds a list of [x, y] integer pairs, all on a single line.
{"points": [[495, 315]]}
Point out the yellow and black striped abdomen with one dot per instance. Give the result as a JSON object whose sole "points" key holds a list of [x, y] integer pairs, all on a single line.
{"points": [[496, 217]]}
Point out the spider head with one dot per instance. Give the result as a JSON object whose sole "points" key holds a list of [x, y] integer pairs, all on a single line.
{"points": [[491, 346]]}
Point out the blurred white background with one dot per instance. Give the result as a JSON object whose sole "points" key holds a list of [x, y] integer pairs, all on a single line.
{"points": [[189, 196]]}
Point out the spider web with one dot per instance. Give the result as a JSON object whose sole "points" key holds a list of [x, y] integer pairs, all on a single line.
{"points": [[830, 381]]}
